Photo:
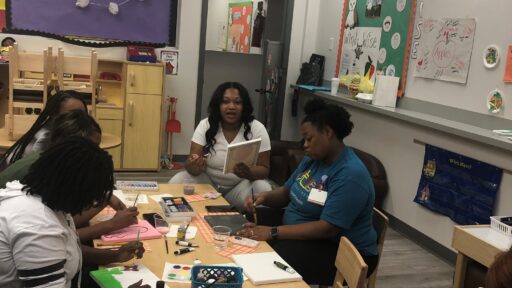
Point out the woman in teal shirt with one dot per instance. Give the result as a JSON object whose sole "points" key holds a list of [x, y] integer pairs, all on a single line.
{"points": [[329, 195]]}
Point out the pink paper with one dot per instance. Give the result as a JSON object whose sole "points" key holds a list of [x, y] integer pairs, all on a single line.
{"points": [[129, 233], [507, 78]]}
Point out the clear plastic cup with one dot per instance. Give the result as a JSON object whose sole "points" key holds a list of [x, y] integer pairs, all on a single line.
{"points": [[221, 236], [189, 186]]}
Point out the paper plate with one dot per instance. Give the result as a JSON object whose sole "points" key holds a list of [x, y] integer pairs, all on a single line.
{"points": [[495, 101], [491, 56]]}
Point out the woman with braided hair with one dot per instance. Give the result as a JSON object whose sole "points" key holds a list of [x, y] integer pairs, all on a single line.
{"points": [[39, 245], [37, 137]]}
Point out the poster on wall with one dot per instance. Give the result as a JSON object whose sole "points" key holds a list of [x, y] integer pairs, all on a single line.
{"points": [[2, 15], [457, 186], [360, 52], [99, 23], [445, 48], [395, 19], [239, 27], [170, 58]]}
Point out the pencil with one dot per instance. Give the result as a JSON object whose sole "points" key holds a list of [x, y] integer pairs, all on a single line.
{"points": [[166, 245], [136, 198], [254, 216]]}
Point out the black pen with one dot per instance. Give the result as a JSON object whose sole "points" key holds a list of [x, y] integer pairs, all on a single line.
{"points": [[284, 267], [183, 251], [166, 245], [254, 216]]}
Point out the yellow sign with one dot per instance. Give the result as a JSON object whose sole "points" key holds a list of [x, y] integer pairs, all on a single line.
{"points": [[2, 4]]}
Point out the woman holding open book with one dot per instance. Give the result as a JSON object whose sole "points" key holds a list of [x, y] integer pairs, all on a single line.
{"points": [[230, 121], [329, 195]]}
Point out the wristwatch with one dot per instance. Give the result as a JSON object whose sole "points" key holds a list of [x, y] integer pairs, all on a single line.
{"points": [[274, 233]]}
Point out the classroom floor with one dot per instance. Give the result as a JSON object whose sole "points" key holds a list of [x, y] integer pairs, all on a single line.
{"points": [[404, 264]]}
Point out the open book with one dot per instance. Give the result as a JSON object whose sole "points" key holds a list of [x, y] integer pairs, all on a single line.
{"points": [[243, 152]]}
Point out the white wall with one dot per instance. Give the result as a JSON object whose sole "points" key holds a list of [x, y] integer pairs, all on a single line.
{"points": [[391, 140], [183, 86]]}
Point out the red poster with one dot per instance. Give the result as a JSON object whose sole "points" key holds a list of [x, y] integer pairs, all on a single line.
{"points": [[508, 66], [239, 28]]}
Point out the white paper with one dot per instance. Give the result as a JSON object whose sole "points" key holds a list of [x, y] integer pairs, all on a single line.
{"points": [[130, 198], [260, 268], [360, 52], [168, 269], [158, 198], [492, 237], [445, 48], [173, 232], [386, 88]]}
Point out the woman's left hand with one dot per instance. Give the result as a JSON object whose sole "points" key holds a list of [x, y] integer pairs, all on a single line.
{"points": [[260, 233], [243, 171]]}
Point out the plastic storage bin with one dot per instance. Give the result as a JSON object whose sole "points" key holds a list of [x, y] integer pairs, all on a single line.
{"points": [[217, 271]]}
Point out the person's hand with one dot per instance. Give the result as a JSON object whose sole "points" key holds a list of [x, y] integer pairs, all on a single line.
{"points": [[260, 233], [124, 218], [250, 205], [139, 285], [116, 204], [130, 250], [243, 171], [197, 161]]}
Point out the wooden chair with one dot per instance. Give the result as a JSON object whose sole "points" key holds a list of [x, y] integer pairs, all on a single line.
{"points": [[350, 266], [27, 72], [86, 68], [380, 223]]}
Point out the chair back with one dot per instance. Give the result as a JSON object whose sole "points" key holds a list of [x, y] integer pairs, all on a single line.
{"points": [[350, 266], [380, 223]]}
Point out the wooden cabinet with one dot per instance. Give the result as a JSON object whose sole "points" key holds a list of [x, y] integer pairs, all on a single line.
{"points": [[142, 131], [143, 117], [111, 121], [133, 111]]}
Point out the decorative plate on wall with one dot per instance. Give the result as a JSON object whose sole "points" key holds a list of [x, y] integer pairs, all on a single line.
{"points": [[491, 56], [495, 101]]}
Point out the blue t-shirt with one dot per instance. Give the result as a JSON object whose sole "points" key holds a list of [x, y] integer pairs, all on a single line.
{"points": [[349, 203]]}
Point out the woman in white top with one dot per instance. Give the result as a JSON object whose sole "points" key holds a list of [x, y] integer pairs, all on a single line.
{"points": [[39, 245], [230, 121]]}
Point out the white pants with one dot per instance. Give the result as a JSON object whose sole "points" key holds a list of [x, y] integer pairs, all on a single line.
{"points": [[234, 195]]}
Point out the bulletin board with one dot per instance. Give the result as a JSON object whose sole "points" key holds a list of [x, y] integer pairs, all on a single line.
{"points": [[395, 18], [147, 22]]}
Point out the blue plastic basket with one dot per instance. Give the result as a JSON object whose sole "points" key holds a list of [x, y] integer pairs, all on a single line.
{"points": [[217, 271]]}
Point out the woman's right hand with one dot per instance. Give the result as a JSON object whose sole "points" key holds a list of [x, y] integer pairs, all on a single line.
{"points": [[258, 200], [196, 162]]}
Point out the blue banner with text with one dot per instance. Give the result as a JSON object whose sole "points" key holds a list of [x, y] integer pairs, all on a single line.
{"points": [[457, 186]]}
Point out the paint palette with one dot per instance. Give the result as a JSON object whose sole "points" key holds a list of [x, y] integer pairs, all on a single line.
{"points": [[180, 273]]}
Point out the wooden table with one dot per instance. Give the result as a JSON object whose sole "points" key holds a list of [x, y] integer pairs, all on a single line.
{"points": [[155, 260], [477, 242], [107, 140]]}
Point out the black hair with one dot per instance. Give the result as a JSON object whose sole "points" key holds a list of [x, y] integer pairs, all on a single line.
{"points": [[321, 114], [7, 39], [73, 123], [51, 110], [71, 176], [214, 117]]}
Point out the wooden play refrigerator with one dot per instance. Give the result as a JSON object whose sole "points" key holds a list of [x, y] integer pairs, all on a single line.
{"points": [[133, 111]]}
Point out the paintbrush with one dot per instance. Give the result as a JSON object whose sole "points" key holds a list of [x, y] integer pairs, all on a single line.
{"points": [[254, 216], [136, 198]]}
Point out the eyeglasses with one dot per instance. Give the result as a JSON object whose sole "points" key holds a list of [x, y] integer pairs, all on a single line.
{"points": [[29, 111]]}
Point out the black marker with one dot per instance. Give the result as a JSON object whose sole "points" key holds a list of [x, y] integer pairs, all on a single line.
{"points": [[183, 251], [186, 244], [284, 267]]}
